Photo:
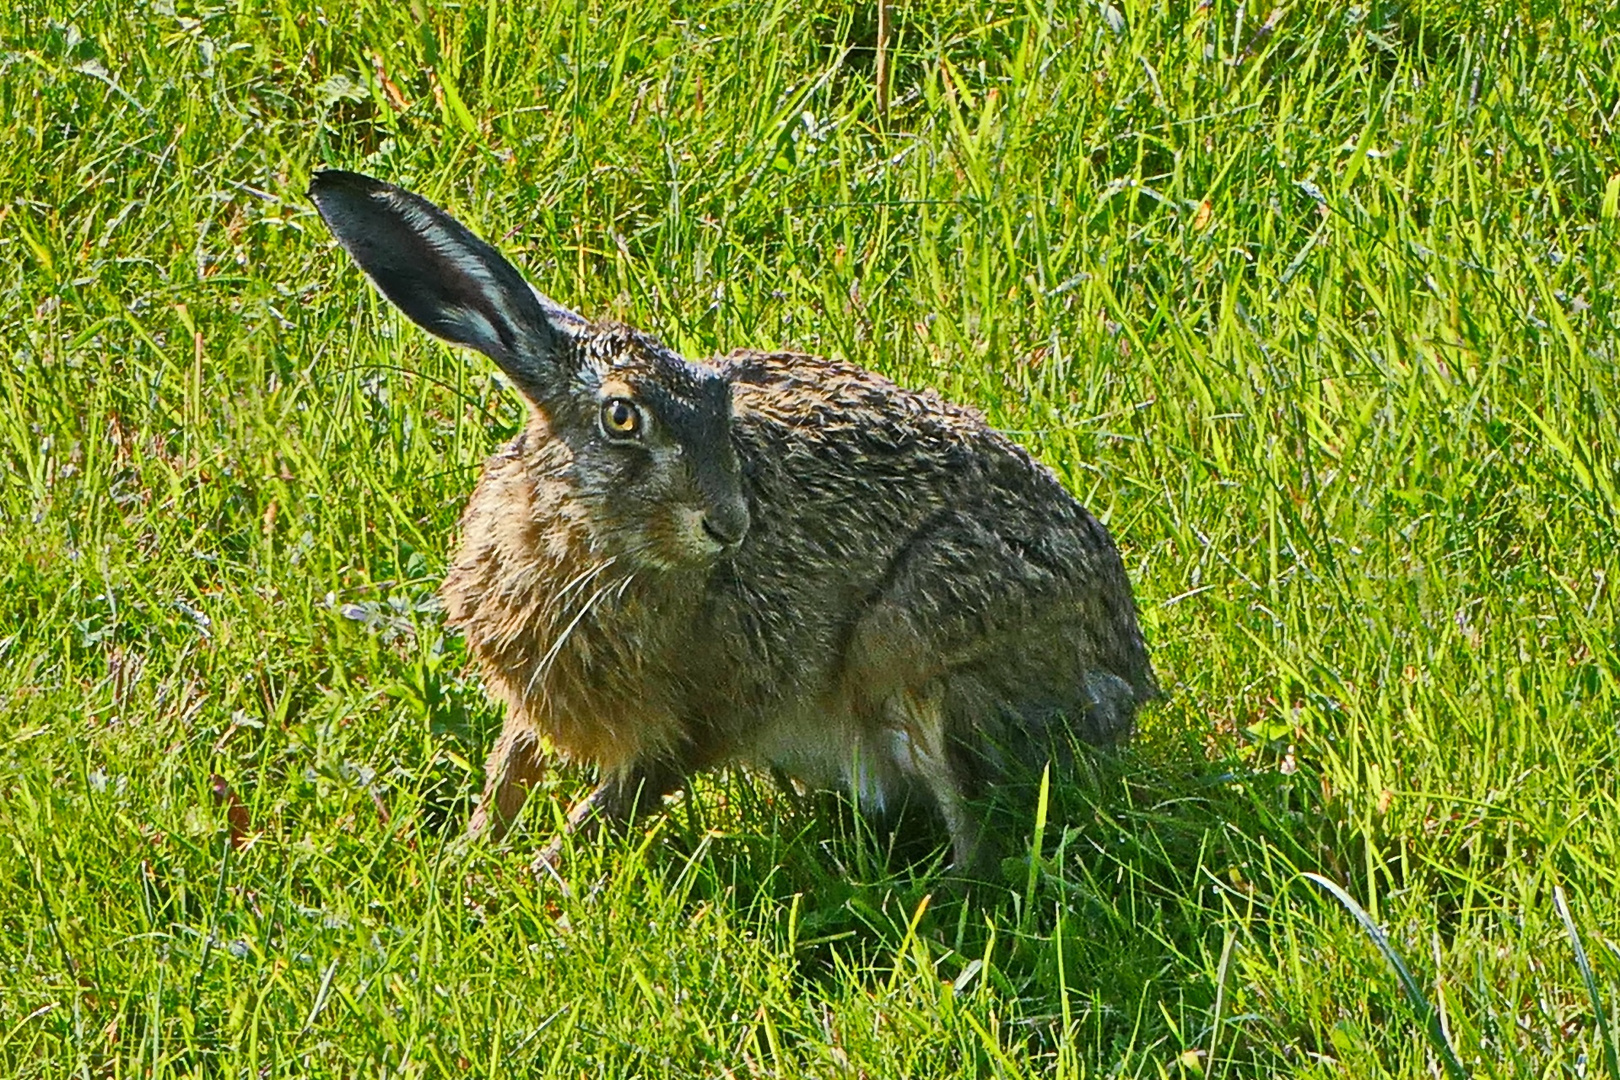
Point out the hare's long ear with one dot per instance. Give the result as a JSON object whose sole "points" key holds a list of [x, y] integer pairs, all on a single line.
{"points": [[448, 281]]}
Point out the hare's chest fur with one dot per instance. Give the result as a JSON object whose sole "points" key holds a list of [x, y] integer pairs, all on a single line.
{"points": [[565, 635]]}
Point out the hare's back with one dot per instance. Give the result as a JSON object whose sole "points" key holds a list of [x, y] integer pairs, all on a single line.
{"points": [[907, 534]]}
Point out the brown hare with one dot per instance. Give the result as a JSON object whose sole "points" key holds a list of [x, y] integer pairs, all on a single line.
{"points": [[766, 559]]}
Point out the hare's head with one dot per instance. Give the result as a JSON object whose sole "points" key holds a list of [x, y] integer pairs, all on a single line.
{"points": [[649, 432]]}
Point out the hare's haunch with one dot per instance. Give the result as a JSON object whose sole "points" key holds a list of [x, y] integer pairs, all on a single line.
{"points": [[768, 559]]}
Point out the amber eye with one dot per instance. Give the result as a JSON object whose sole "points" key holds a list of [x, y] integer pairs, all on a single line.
{"points": [[620, 418]]}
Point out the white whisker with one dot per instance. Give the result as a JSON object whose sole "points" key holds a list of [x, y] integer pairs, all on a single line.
{"points": [[544, 666]]}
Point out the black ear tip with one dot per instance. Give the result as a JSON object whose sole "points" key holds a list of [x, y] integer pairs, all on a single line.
{"points": [[326, 182]]}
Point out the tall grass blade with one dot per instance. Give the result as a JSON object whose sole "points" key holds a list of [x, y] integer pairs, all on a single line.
{"points": [[1610, 1054], [1414, 993]]}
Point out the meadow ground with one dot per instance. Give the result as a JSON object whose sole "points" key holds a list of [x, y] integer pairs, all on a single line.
{"points": [[1314, 306]]}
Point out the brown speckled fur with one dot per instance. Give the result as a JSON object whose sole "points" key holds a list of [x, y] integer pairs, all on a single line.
{"points": [[900, 597]]}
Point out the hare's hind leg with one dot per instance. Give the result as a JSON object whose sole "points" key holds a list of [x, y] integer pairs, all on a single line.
{"points": [[920, 724], [513, 767]]}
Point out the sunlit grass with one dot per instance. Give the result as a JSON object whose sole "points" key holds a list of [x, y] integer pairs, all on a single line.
{"points": [[1316, 310]]}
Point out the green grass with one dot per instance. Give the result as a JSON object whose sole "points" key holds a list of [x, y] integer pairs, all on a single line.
{"points": [[1318, 312]]}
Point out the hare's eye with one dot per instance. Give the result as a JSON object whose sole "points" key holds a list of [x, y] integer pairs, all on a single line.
{"points": [[620, 418]]}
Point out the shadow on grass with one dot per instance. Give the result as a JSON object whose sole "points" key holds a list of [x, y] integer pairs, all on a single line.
{"points": [[1152, 860]]}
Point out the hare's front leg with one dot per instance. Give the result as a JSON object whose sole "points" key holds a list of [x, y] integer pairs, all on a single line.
{"points": [[513, 767], [616, 801]]}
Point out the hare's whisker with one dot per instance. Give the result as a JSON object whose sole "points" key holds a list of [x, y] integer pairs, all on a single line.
{"points": [[625, 584], [561, 596], [544, 666]]}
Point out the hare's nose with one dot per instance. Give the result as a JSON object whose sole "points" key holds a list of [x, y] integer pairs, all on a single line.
{"points": [[727, 523]]}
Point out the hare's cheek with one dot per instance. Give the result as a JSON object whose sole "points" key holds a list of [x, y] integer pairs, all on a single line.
{"points": [[629, 473], [667, 537], [624, 485]]}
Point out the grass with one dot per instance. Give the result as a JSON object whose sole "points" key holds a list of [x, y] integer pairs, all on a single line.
{"points": [[1316, 308]]}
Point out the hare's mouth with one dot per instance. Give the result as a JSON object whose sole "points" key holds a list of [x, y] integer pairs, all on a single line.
{"points": [[695, 538], [683, 537], [720, 539]]}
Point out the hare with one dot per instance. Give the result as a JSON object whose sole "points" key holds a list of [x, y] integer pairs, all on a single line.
{"points": [[764, 559]]}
